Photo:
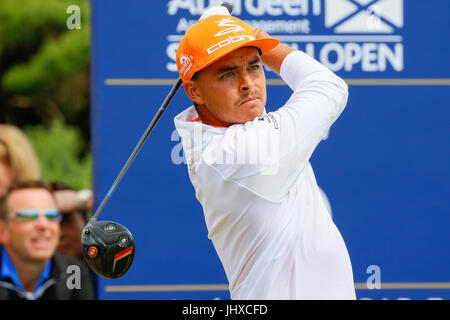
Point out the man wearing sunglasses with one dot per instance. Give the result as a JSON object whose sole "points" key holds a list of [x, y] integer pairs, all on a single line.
{"points": [[29, 235]]}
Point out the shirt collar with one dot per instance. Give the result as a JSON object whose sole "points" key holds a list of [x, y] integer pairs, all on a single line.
{"points": [[7, 270]]}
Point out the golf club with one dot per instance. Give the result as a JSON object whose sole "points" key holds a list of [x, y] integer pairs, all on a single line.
{"points": [[108, 247]]}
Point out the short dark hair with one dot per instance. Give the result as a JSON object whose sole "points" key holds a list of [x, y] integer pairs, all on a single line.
{"points": [[196, 75], [58, 186], [27, 184]]}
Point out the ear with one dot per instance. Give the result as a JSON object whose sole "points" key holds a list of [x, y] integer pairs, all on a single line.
{"points": [[192, 91]]}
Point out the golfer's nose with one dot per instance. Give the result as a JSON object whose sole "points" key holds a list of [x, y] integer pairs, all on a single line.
{"points": [[246, 82]]}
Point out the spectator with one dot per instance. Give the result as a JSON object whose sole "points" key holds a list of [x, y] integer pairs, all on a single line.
{"points": [[30, 268], [18, 160], [75, 207]]}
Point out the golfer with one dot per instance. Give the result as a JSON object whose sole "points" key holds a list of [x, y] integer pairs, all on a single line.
{"points": [[263, 209]]}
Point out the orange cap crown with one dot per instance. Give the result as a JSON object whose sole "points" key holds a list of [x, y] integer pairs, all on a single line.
{"points": [[212, 38]]}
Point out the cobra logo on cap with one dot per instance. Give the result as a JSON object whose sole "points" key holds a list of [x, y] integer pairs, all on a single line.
{"points": [[228, 41], [227, 22], [230, 26]]}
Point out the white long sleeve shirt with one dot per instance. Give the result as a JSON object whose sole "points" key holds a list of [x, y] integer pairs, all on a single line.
{"points": [[263, 209]]}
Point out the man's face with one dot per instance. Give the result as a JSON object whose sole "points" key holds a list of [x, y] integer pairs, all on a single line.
{"points": [[30, 241], [231, 90]]}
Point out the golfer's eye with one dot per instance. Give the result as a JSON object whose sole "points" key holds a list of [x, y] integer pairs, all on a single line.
{"points": [[254, 67], [226, 75]]}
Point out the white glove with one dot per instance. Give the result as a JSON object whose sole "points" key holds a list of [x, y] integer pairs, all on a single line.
{"points": [[213, 11]]}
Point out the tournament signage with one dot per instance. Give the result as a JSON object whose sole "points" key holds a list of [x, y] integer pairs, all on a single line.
{"points": [[345, 35]]}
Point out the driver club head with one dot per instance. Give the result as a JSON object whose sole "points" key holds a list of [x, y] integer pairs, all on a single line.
{"points": [[108, 248]]}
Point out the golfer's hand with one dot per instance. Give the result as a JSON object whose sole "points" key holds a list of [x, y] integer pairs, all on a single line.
{"points": [[274, 58], [259, 34]]}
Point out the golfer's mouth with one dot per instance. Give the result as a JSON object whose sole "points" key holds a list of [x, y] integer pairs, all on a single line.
{"points": [[249, 100]]}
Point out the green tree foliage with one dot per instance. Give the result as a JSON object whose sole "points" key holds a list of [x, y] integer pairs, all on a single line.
{"points": [[58, 148], [44, 74]]}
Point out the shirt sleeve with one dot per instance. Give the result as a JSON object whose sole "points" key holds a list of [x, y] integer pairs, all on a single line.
{"points": [[267, 154]]}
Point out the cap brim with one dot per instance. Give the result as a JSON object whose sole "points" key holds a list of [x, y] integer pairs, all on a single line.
{"points": [[264, 44]]}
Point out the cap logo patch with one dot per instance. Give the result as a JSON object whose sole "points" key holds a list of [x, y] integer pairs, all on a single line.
{"points": [[186, 63]]}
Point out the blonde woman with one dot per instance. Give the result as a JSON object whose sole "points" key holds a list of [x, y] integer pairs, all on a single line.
{"points": [[18, 159]]}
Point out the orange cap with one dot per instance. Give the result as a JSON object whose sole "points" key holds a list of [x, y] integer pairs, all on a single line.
{"points": [[212, 38]]}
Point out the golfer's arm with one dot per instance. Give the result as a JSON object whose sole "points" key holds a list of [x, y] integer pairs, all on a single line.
{"points": [[318, 98]]}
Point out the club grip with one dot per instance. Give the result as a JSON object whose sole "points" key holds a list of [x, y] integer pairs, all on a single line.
{"points": [[227, 5]]}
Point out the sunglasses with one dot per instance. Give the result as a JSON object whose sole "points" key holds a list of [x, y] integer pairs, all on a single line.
{"points": [[31, 215]]}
